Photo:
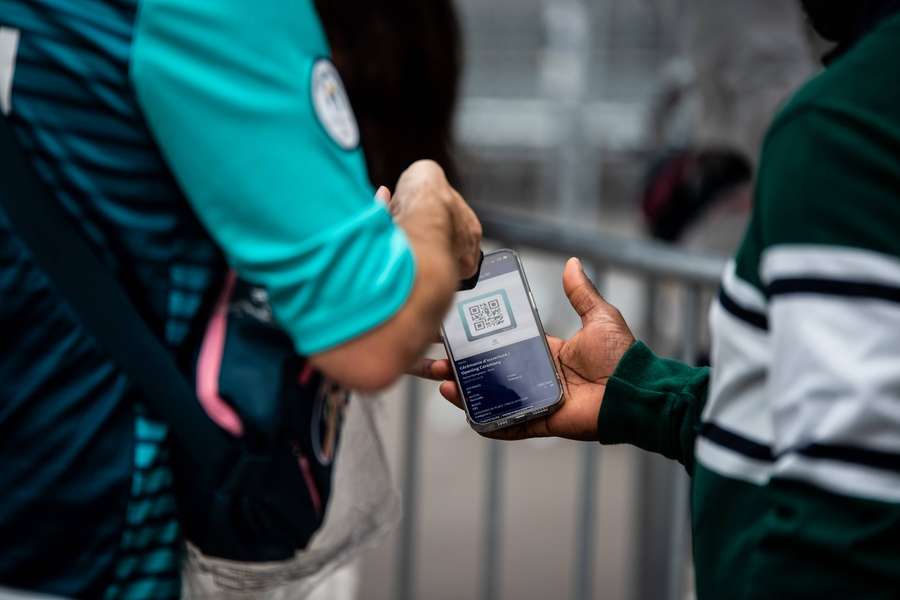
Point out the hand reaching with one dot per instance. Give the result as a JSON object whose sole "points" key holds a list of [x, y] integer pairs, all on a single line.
{"points": [[421, 186], [585, 363]]}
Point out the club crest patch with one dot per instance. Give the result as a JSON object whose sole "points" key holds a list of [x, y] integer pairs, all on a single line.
{"points": [[332, 105]]}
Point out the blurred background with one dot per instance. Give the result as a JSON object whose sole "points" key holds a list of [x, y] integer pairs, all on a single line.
{"points": [[623, 131]]}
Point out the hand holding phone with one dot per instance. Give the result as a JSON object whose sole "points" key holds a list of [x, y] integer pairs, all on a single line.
{"points": [[585, 362], [498, 350]]}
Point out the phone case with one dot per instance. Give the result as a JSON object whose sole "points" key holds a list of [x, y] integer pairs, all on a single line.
{"points": [[527, 414]]}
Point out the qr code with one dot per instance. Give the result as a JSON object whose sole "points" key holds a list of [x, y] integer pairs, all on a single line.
{"points": [[486, 315]]}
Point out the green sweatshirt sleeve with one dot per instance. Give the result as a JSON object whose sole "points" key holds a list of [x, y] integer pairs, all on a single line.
{"points": [[655, 404]]}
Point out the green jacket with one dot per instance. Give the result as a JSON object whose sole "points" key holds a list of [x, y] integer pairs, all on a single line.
{"points": [[793, 437]]}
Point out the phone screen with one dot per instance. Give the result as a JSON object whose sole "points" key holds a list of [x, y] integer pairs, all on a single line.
{"points": [[497, 345]]}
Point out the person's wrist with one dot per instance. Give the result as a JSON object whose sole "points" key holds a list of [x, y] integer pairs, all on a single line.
{"points": [[633, 399]]}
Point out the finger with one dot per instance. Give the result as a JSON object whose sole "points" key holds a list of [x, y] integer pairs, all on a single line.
{"points": [[449, 391], [424, 368], [509, 434], [440, 369], [436, 370], [556, 349], [469, 258], [469, 232], [555, 344], [525, 431], [384, 195], [473, 223], [477, 233], [582, 294]]}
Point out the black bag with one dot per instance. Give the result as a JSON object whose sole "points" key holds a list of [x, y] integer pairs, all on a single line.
{"points": [[252, 470]]}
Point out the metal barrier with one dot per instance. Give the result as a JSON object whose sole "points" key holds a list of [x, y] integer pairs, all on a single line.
{"points": [[565, 124], [601, 252]]}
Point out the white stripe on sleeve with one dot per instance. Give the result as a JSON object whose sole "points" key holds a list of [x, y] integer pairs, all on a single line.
{"points": [[728, 463], [742, 292], [841, 477], [829, 262], [835, 372], [740, 353]]}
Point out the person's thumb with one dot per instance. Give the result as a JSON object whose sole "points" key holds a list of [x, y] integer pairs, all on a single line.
{"points": [[580, 290]]}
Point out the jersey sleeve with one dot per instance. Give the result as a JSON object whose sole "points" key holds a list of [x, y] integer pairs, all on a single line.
{"points": [[655, 404], [255, 126]]}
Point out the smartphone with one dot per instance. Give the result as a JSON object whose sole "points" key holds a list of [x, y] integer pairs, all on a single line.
{"points": [[497, 348]]}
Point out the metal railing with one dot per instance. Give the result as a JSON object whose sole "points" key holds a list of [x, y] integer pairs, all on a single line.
{"points": [[661, 510]]}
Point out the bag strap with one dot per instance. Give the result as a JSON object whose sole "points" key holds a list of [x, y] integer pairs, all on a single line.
{"points": [[101, 303]]}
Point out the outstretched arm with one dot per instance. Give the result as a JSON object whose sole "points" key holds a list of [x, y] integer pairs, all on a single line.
{"points": [[617, 390]]}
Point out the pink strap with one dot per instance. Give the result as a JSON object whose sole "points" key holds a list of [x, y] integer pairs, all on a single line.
{"points": [[306, 374], [209, 365], [311, 487]]}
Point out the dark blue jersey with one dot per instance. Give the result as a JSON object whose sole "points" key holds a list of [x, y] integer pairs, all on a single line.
{"points": [[87, 507], [178, 134]]}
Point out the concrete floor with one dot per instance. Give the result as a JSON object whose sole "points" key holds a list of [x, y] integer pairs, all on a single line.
{"points": [[538, 527]]}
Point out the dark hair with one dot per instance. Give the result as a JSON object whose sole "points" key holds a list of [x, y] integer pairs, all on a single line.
{"points": [[846, 22], [400, 61]]}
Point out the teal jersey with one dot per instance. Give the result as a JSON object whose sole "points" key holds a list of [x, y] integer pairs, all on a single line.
{"points": [[258, 132], [184, 138]]}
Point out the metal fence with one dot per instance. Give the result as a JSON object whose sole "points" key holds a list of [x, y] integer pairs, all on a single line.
{"points": [[559, 88], [665, 507]]}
